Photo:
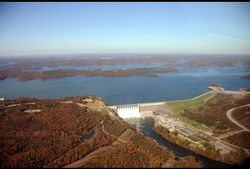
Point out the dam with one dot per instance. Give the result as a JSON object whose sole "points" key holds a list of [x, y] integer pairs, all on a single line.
{"points": [[128, 111], [140, 110], [149, 114]]}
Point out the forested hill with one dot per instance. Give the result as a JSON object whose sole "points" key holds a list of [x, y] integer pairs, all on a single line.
{"points": [[75, 132]]}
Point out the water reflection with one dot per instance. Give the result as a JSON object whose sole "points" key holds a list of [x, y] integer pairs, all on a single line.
{"points": [[146, 125]]}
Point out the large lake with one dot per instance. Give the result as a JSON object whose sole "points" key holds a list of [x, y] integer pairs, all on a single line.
{"points": [[188, 82]]}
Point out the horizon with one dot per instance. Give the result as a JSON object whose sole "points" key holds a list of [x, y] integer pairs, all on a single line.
{"points": [[128, 54], [42, 28]]}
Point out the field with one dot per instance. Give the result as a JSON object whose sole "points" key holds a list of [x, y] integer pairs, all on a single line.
{"points": [[178, 107]]}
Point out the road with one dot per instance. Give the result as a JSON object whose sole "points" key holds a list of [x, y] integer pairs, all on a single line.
{"points": [[230, 116], [230, 134], [79, 163]]}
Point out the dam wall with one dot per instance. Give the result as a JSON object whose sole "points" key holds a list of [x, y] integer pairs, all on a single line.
{"points": [[128, 111], [152, 103]]}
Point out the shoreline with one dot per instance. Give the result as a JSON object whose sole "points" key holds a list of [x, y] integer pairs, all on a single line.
{"points": [[224, 158], [167, 135], [62, 73]]}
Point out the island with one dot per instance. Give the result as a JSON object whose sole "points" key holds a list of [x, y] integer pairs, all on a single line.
{"points": [[61, 73], [28, 68], [194, 60]]}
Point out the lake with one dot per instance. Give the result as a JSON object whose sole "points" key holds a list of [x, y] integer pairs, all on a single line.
{"points": [[188, 82]]}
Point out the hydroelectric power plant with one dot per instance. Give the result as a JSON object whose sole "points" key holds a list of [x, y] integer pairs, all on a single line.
{"points": [[139, 110], [128, 111]]}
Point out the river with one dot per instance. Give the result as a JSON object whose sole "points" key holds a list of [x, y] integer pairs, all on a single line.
{"points": [[146, 126]]}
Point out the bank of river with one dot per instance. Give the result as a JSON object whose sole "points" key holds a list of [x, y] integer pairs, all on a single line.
{"points": [[146, 126]]}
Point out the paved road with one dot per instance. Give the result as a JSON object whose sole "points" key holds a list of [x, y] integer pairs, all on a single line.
{"points": [[230, 134], [80, 162], [230, 116]]}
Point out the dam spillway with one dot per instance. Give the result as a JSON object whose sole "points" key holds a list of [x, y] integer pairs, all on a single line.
{"points": [[139, 110], [128, 111]]}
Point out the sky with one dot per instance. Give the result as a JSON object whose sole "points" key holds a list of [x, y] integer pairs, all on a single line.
{"points": [[115, 27]]}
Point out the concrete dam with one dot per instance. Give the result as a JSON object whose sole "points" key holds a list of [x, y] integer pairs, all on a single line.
{"points": [[128, 111], [139, 110]]}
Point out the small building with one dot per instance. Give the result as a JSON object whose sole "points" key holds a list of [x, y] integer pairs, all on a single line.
{"points": [[224, 149], [2, 98]]}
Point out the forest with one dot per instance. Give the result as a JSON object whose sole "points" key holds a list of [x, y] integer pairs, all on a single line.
{"points": [[55, 136]]}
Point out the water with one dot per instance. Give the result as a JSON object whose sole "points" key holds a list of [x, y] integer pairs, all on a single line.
{"points": [[99, 67], [184, 84], [146, 126]]}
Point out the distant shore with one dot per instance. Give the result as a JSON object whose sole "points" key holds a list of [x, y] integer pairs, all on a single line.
{"points": [[61, 73]]}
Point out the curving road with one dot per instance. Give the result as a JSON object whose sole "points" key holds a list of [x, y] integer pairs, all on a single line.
{"points": [[230, 116]]}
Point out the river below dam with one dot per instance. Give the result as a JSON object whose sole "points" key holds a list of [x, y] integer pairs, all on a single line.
{"points": [[146, 126]]}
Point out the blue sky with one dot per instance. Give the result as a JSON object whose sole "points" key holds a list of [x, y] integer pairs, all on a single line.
{"points": [[175, 27]]}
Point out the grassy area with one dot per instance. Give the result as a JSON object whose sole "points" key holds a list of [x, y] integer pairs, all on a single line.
{"points": [[96, 105], [193, 105]]}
